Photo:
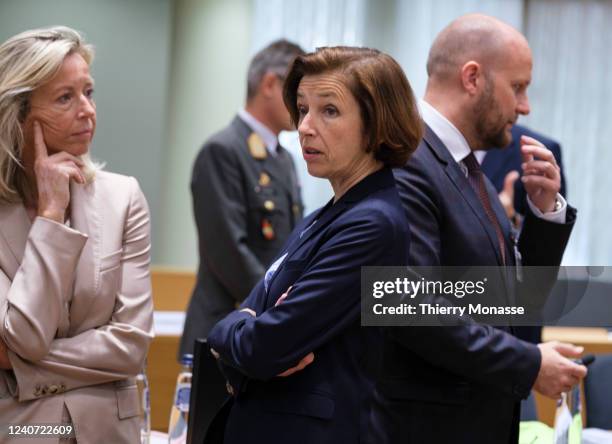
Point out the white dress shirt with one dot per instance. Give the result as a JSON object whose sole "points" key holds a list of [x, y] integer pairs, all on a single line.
{"points": [[459, 149]]}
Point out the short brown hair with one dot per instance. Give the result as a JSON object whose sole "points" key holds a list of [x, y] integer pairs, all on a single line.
{"points": [[391, 120]]}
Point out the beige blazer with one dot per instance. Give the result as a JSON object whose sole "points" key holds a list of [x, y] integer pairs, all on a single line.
{"points": [[76, 312]]}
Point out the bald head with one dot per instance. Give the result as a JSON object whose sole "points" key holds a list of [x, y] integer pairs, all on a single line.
{"points": [[479, 69], [473, 37]]}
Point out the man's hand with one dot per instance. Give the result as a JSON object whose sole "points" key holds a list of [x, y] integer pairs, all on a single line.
{"points": [[541, 174], [5, 363], [506, 195], [306, 360], [557, 373]]}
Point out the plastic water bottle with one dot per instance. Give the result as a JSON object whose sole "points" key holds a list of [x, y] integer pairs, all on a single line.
{"points": [[568, 418], [179, 415], [145, 405]]}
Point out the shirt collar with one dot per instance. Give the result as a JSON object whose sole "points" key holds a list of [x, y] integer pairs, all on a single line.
{"points": [[263, 131], [448, 133]]}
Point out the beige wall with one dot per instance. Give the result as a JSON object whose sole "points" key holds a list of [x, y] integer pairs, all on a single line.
{"points": [[132, 43], [168, 74], [210, 53]]}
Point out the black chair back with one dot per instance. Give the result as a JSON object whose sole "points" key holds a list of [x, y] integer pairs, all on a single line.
{"points": [[598, 393], [207, 392]]}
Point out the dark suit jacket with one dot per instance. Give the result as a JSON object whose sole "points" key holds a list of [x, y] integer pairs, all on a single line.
{"points": [[328, 401], [500, 161], [457, 384], [229, 205], [497, 164]]}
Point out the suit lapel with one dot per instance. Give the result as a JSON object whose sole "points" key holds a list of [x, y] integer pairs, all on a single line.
{"points": [[326, 215], [329, 213], [323, 218], [14, 231], [498, 208], [85, 218], [457, 176]]}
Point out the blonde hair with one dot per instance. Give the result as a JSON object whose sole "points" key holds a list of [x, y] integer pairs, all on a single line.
{"points": [[28, 61]]}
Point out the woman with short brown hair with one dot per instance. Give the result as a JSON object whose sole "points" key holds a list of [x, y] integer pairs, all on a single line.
{"points": [[392, 126], [295, 356]]}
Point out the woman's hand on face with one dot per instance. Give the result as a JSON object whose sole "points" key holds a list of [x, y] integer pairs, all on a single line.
{"points": [[53, 174], [5, 363]]}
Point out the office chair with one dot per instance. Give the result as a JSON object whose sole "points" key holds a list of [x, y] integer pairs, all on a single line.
{"points": [[598, 393], [207, 395]]}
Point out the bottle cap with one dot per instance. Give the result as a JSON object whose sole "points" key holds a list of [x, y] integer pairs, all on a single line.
{"points": [[187, 359]]}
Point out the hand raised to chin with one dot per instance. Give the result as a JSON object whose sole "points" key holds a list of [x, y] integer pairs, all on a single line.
{"points": [[541, 174], [53, 174]]}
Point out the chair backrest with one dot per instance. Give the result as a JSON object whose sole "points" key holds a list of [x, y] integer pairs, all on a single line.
{"points": [[208, 394], [598, 393], [195, 429]]}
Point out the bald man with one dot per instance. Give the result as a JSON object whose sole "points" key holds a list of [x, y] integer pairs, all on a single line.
{"points": [[464, 384]]}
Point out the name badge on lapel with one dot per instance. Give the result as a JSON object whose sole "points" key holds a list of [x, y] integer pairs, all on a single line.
{"points": [[518, 258]]}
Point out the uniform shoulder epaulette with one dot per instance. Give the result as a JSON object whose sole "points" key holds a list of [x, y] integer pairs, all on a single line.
{"points": [[257, 147]]}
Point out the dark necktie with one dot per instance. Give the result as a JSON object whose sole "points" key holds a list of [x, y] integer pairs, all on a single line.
{"points": [[476, 179], [279, 148]]}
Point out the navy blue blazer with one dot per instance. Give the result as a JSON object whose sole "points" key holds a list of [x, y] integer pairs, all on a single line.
{"points": [[458, 384], [328, 401], [500, 161]]}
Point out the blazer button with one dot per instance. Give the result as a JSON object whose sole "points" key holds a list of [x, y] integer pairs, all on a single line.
{"points": [[53, 389], [269, 205]]}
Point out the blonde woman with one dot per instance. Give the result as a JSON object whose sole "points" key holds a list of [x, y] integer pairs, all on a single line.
{"points": [[75, 294]]}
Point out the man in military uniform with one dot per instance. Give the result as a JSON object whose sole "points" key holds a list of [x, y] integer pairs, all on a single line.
{"points": [[246, 198]]}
